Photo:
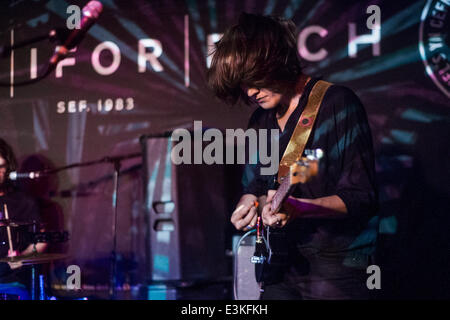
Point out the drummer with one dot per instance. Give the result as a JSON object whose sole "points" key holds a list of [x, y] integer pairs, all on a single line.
{"points": [[20, 208]]}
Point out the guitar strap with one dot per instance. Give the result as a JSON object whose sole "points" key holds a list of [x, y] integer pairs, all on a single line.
{"points": [[302, 131]]}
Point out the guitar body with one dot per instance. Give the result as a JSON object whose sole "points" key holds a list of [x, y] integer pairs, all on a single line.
{"points": [[275, 253], [271, 245]]}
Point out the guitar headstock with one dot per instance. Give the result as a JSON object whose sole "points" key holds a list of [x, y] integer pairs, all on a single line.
{"points": [[306, 167]]}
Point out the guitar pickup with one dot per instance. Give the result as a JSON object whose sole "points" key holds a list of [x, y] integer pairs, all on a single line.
{"points": [[258, 260]]}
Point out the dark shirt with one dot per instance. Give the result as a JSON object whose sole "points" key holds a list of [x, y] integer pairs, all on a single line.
{"points": [[21, 208], [347, 169]]}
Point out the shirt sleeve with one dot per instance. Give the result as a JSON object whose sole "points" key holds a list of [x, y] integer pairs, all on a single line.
{"points": [[353, 150]]}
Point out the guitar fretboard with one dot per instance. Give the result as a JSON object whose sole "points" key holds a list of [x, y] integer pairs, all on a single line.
{"points": [[281, 194]]}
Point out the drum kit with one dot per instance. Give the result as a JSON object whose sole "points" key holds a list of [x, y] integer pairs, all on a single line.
{"points": [[51, 237], [7, 291]]}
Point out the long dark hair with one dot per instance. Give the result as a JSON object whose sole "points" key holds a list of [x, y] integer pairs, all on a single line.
{"points": [[259, 51], [7, 153]]}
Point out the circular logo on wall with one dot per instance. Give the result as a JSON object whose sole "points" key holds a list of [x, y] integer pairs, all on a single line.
{"points": [[434, 42]]}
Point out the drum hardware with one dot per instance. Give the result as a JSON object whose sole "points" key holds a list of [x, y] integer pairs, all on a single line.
{"points": [[35, 258], [116, 162], [48, 237], [14, 223], [61, 237]]}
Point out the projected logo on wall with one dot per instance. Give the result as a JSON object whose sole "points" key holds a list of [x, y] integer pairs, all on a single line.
{"points": [[433, 43], [169, 57]]}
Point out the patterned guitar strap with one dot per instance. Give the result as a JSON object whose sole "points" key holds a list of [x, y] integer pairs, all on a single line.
{"points": [[302, 131]]}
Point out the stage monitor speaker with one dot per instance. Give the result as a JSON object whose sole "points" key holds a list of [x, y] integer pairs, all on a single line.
{"points": [[244, 272], [187, 215]]}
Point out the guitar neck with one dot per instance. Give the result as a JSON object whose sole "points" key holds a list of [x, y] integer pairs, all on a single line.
{"points": [[299, 172], [283, 191]]}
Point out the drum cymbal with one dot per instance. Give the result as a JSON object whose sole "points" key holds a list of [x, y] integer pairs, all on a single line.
{"points": [[36, 258], [15, 224]]}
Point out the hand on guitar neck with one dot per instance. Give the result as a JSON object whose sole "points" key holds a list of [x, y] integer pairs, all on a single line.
{"points": [[272, 218], [293, 208], [279, 208]]}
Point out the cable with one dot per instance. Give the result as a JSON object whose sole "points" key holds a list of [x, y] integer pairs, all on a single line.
{"points": [[49, 70]]}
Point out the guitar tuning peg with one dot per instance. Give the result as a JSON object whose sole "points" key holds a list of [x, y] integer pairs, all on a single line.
{"points": [[319, 153], [314, 154]]}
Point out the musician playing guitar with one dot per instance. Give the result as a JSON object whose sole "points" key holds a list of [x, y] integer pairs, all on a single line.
{"points": [[328, 222]]}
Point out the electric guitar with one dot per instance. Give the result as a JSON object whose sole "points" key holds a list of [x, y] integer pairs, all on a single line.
{"points": [[270, 244]]}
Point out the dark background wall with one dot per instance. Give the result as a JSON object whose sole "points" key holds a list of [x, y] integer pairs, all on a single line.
{"points": [[408, 112]]}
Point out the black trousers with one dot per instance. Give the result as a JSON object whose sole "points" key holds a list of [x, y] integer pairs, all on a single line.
{"points": [[321, 275]]}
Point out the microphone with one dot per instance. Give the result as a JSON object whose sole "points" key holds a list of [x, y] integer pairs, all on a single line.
{"points": [[90, 13], [25, 175]]}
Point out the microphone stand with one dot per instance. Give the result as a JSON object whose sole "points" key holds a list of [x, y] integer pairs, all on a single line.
{"points": [[113, 276], [116, 161], [6, 50], [33, 267], [90, 163], [57, 34]]}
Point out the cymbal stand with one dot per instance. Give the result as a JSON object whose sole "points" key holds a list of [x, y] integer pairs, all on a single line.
{"points": [[113, 275], [33, 267], [116, 161]]}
